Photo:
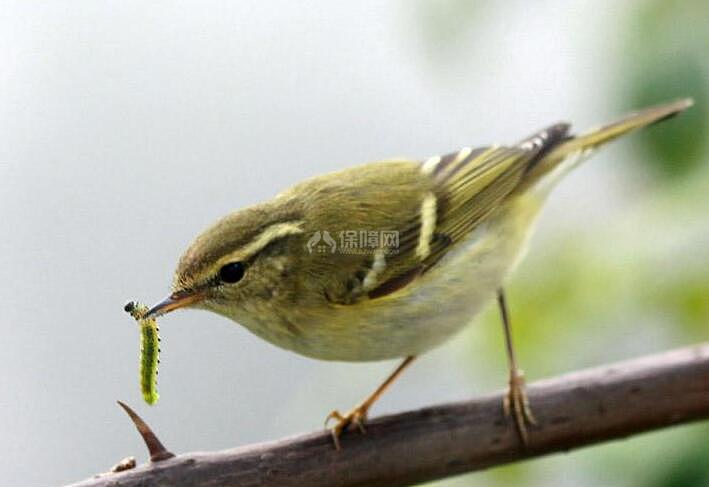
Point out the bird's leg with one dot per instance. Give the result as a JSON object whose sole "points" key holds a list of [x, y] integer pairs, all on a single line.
{"points": [[358, 415], [516, 404]]}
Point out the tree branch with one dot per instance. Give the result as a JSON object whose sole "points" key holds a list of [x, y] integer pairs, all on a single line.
{"points": [[573, 410]]}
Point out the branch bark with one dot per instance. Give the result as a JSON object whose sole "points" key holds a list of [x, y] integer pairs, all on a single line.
{"points": [[574, 410]]}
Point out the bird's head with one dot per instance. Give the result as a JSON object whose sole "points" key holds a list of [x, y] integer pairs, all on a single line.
{"points": [[239, 265]]}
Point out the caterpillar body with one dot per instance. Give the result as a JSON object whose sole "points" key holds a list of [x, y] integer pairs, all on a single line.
{"points": [[149, 351]]}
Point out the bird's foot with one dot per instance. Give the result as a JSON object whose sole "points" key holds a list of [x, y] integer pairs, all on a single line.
{"points": [[516, 405], [357, 416]]}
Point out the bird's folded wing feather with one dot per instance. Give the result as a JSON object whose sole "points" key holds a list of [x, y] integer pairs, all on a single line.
{"points": [[432, 206]]}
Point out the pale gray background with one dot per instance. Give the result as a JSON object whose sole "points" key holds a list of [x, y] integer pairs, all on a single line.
{"points": [[127, 127]]}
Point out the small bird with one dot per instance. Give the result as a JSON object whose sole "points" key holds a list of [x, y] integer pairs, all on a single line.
{"points": [[387, 259]]}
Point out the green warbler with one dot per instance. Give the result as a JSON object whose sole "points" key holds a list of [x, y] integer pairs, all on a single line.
{"points": [[387, 259]]}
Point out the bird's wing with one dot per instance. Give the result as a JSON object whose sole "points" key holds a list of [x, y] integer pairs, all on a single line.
{"points": [[425, 209], [432, 206]]}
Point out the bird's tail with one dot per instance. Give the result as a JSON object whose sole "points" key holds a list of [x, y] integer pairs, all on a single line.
{"points": [[567, 153]]}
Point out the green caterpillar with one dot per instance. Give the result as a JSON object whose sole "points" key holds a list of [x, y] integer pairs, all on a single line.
{"points": [[149, 351]]}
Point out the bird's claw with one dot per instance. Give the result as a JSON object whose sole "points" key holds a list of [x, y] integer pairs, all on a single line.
{"points": [[516, 405], [357, 416]]}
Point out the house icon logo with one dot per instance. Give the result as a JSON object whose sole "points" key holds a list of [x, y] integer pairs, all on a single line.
{"points": [[321, 243]]}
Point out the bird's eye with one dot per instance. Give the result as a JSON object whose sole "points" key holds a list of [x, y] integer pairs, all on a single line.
{"points": [[232, 272]]}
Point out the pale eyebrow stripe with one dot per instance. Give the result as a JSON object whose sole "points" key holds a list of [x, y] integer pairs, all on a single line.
{"points": [[271, 233]]}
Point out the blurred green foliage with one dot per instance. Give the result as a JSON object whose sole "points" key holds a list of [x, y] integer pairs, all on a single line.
{"points": [[676, 149], [687, 300], [667, 53], [689, 469]]}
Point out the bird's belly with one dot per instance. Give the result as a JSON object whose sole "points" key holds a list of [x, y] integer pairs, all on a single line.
{"points": [[422, 315]]}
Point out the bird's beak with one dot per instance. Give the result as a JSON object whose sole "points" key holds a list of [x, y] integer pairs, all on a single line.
{"points": [[176, 300]]}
